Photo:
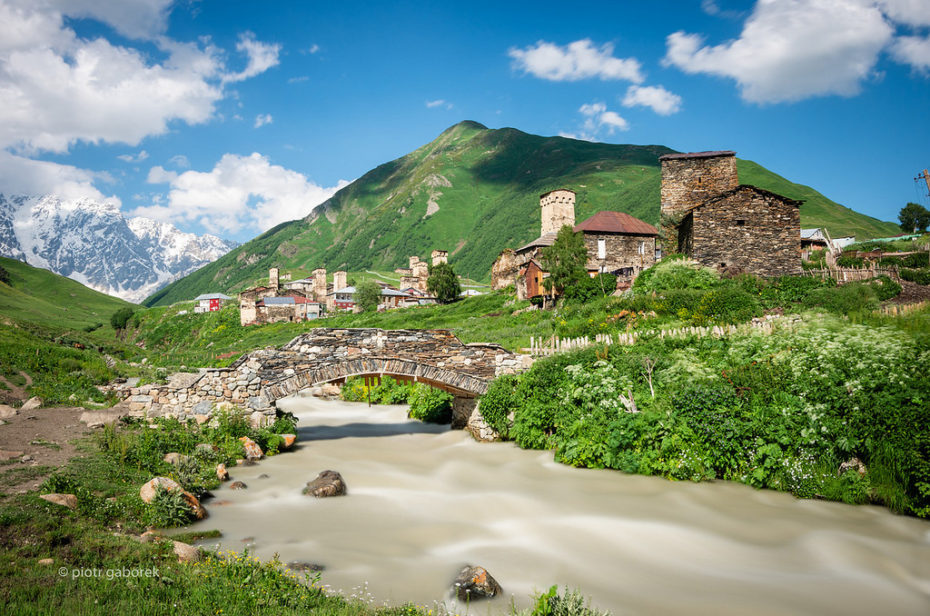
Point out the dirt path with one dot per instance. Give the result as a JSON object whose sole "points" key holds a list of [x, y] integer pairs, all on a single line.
{"points": [[43, 439]]}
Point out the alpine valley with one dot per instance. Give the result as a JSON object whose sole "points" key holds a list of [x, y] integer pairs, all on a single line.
{"points": [[474, 191], [94, 244]]}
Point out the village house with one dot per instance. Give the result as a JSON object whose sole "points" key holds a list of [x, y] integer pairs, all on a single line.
{"points": [[707, 215], [210, 302], [616, 243], [274, 303], [344, 298]]}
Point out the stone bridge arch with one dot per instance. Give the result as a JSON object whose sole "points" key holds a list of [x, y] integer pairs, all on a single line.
{"points": [[260, 378], [458, 383]]}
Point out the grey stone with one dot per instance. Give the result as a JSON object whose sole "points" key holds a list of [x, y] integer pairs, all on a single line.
{"points": [[475, 583], [327, 483]]}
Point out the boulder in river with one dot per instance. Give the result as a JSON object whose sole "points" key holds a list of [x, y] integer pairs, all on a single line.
{"points": [[475, 583], [327, 483], [252, 450], [221, 473], [237, 485]]}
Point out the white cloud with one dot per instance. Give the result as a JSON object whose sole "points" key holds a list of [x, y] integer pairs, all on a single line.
{"points": [[313, 48], [262, 56], [262, 119], [239, 192], [598, 120], [657, 98], [138, 158], [299, 79], [24, 176], [135, 19], [913, 50], [180, 161], [160, 175], [575, 61], [57, 89], [790, 50], [439, 103]]}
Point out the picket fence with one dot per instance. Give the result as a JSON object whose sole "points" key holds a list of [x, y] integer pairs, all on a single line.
{"points": [[853, 274], [540, 347]]}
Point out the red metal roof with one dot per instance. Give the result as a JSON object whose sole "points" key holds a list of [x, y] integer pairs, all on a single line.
{"points": [[616, 222]]}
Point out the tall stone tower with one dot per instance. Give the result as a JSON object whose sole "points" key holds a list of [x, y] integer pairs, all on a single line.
{"points": [[319, 284], [558, 209], [340, 280], [439, 256], [273, 278], [687, 180]]}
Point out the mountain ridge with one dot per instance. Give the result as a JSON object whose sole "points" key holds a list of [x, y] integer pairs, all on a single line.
{"points": [[93, 243], [472, 191]]}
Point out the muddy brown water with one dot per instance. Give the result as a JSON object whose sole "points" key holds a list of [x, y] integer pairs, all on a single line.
{"points": [[424, 500]]}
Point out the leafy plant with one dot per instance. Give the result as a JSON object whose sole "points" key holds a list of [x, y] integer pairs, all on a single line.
{"points": [[443, 283], [367, 296], [430, 404], [564, 260]]}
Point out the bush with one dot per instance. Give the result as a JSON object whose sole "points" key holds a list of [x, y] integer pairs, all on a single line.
{"points": [[119, 318], [430, 404], [590, 288], [388, 391], [498, 402], [920, 276], [675, 273], [849, 261], [885, 288], [168, 509], [726, 304], [846, 299]]}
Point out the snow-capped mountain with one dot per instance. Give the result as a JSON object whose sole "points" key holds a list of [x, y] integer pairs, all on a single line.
{"points": [[93, 243]]}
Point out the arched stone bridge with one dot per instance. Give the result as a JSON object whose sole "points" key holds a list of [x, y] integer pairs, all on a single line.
{"points": [[257, 380]]}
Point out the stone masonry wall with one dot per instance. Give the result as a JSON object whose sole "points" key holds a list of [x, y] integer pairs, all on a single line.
{"points": [[688, 180], [258, 379], [557, 209], [621, 251], [748, 230]]}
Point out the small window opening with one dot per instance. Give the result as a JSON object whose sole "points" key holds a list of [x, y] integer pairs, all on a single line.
{"points": [[740, 223], [723, 265]]}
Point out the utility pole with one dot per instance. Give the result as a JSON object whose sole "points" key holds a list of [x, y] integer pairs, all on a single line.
{"points": [[925, 176]]}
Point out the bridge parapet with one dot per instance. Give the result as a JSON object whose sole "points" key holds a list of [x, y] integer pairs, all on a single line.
{"points": [[258, 379]]}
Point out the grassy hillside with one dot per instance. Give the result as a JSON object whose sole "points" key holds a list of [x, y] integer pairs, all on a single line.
{"points": [[37, 295], [817, 211], [472, 191]]}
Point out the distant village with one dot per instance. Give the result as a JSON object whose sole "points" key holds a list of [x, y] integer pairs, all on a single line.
{"points": [[705, 214]]}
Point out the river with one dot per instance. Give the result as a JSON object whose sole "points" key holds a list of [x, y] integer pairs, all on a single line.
{"points": [[424, 501]]}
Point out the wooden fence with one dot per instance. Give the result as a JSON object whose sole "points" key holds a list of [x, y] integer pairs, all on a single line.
{"points": [[540, 347], [854, 274], [902, 309]]}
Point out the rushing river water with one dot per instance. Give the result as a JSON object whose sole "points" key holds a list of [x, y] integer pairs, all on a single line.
{"points": [[423, 501]]}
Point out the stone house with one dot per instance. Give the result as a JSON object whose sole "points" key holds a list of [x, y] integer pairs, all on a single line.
{"points": [[745, 229], [616, 243], [709, 216]]}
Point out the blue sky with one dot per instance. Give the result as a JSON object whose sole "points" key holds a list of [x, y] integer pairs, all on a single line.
{"points": [[229, 117]]}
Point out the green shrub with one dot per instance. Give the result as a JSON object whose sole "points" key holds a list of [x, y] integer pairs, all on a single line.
{"points": [[727, 304], [498, 402], [571, 603], [920, 276], [387, 391], [849, 261], [430, 404], [885, 288], [590, 288], [675, 273], [168, 509], [845, 299]]}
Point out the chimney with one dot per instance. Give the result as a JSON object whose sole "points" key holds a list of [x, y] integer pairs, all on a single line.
{"points": [[558, 209]]}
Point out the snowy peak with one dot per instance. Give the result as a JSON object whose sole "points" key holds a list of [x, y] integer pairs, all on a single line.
{"points": [[93, 243]]}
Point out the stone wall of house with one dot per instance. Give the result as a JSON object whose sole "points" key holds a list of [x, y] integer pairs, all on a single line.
{"points": [[746, 230], [319, 284], [256, 380], [687, 180], [557, 209], [439, 256], [505, 268], [620, 251]]}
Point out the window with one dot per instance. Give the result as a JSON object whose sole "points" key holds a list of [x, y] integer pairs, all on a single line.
{"points": [[740, 223], [642, 248], [601, 249]]}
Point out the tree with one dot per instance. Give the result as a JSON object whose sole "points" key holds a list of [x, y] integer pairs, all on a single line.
{"points": [[4, 275], [367, 296], [914, 217], [565, 261], [120, 318], [443, 283]]}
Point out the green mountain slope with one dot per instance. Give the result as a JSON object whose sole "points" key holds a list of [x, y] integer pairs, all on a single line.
{"points": [[39, 296], [473, 191]]}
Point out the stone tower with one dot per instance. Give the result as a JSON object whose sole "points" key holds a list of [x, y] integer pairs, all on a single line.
{"points": [[319, 284], [273, 278], [439, 256], [558, 209], [340, 279], [687, 180]]}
